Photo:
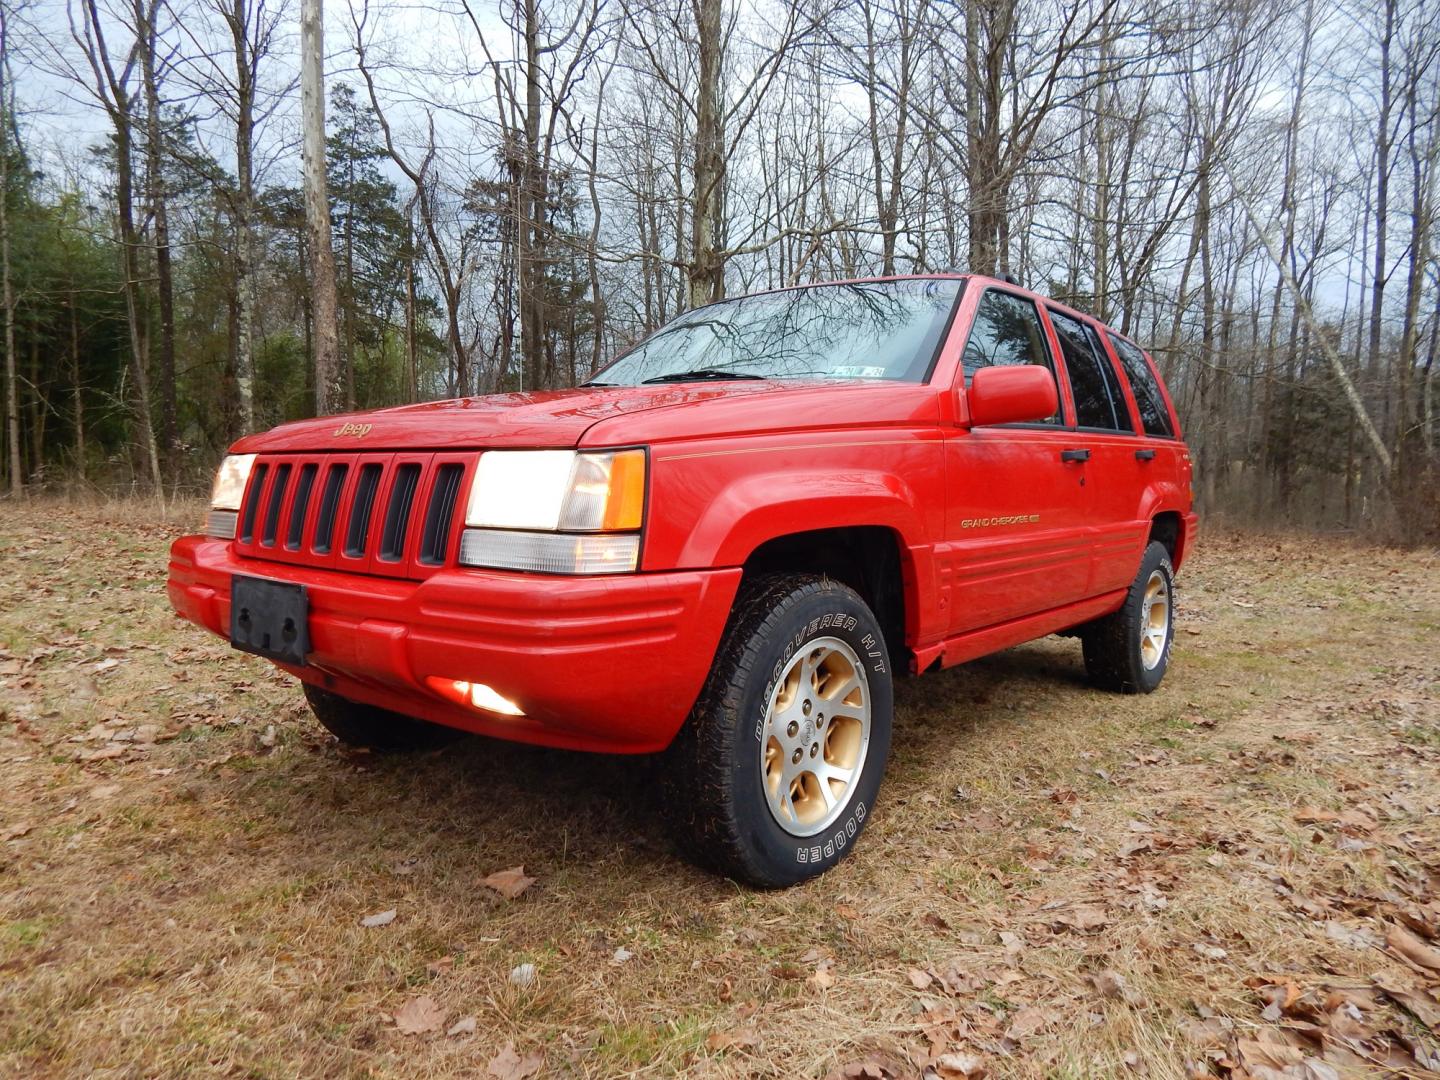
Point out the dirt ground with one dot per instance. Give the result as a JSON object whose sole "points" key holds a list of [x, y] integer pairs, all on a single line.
{"points": [[1238, 875]]}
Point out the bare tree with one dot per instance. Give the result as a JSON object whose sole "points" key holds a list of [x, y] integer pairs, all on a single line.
{"points": [[7, 291], [329, 380], [113, 88]]}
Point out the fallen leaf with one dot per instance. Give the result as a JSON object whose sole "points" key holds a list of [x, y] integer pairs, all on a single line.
{"points": [[14, 832], [1082, 919], [508, 1065], [1208, 1034], [824, 977], [1109, 984], [522, 975], [1268, 1055], [960, 1067], [744, 1038], [1028, 1021], [621, 955], [873, 1067], [509, 883], [1424, 1008], [1358, 821], [1412, 948], [920, 979], [380, 918], [1210, 952], [466, 1025], [419, 1016]]}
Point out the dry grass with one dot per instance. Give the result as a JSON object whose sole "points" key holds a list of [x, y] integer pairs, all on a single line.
{"points": [[188, 901]]}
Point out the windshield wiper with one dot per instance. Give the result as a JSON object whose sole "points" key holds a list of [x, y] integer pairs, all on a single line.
{"points": [[700, 375]]}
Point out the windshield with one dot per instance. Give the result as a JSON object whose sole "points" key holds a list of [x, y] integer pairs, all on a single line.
{"points": [[866, 330]]}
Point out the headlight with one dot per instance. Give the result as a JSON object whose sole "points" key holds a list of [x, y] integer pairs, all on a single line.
{"points": [[565, 501], [226, 494]]}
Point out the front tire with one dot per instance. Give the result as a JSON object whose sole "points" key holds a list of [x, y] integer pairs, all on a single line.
{"points": [[776, 771], [1129, 651], [373, 728]]}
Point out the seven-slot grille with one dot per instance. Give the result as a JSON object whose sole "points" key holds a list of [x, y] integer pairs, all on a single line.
{"points": [[396, 514]]}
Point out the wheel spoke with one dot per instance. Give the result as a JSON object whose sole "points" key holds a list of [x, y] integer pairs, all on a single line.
{"points": [[842, 690], [825, 791]]}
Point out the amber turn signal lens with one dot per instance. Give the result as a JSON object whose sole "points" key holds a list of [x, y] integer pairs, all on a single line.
{"points": [[625, 506]]}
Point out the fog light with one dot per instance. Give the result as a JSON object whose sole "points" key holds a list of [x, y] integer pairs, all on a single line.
{"points": [[476, 695], [485, 697]]}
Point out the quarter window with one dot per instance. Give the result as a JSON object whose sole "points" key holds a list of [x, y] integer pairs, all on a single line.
{"points": [[1007, 331], [1098, 400], [1153, 414]]}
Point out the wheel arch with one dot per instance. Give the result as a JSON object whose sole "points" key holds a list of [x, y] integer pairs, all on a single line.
{"points": [[1167, 527], [871, 559]]}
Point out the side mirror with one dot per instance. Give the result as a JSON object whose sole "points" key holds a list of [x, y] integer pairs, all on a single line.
{"points": [[1012, 395]]}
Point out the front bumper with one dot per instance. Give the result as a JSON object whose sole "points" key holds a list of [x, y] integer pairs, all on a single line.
{"points": [[597, 663]]}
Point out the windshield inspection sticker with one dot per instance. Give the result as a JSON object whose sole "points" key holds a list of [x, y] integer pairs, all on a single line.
{"points": [[852, 372]]}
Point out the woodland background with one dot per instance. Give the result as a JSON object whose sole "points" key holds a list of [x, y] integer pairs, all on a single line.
{"points": [[516, 190]]}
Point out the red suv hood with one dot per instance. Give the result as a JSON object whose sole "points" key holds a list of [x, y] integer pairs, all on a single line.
{"points": [[544, 418]]}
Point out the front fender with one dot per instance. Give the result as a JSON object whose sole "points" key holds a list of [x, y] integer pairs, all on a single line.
{"points": [[763, 506]]}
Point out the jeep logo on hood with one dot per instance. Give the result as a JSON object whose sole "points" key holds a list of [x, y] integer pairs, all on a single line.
{"points": [[359, 431]]}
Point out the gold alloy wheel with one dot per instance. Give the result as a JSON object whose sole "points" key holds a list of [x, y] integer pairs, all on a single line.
{"points": [[1155, 620], [816, 734]]}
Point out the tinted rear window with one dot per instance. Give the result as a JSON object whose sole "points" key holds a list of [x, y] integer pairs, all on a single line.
{"points": [[1148, 399], [1099, 402]]}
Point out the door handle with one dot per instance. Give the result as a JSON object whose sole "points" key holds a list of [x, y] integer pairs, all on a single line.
{"points": [[1144, 455], [1074, 455]]}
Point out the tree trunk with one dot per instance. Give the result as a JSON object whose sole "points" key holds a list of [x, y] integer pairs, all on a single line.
{"points": [[147, 34], [533, 214], [329, 384], [7, 289], [707, 266], [238, 18], [1382, 190], [78, 398]]}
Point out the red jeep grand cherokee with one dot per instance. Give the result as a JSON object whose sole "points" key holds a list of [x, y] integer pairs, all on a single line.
{"points": [[724, 547]]}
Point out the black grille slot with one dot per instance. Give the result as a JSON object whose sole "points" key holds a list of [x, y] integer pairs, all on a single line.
{"points": [[300, 505], [252, 504], [440, 513], [272, 511], [329, 503], [397, 512], [360, 512]]}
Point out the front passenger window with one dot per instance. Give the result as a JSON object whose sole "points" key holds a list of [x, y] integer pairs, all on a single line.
{"points": [[1007, 331]]}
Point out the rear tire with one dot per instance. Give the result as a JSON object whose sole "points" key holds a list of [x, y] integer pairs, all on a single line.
{"points": [[776, 771], [1129, 651], [373, 728]]}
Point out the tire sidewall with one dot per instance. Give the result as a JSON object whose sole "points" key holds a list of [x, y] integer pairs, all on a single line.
{"points": [[1156, 558], [830, 612]]}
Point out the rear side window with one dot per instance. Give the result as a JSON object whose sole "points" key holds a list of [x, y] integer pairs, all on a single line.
{"points": [[1153, 414], [1098, 400], [1006, 331]]}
